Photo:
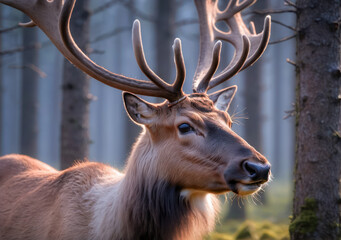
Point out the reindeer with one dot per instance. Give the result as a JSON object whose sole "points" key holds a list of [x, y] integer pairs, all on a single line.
{"points": [[186, 155]]}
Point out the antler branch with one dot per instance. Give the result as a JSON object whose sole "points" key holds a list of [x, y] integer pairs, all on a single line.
{"points": [[180, 66], [141, 61], [53, 17], [249, 45], [213, 68]]}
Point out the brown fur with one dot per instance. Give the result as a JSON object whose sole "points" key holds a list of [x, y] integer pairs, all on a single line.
{"points": [[167, 190], [38, 202]]}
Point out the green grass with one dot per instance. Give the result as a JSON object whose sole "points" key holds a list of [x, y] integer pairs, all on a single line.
{"points": [[250, 230]]}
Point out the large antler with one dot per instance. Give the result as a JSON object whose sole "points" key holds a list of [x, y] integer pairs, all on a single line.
{"points": [[249, 45], [53, 17]]}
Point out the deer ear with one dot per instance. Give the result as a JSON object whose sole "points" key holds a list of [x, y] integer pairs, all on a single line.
{"points": [[140, 111], [223, 98]]}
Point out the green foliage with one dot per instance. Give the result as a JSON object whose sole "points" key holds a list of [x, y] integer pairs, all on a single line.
{"points": [[251, 230], [306, 221], [244, 232], [220, 236], [268, 235]]}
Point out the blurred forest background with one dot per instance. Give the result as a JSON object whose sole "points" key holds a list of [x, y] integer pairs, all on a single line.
{"points": [[36, 83]]}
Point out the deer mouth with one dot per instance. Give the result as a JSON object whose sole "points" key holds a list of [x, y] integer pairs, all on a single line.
{"points": [[245, 188]]}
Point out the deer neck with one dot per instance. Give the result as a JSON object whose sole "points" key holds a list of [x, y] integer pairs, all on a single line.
{"points": [[142, 205]]}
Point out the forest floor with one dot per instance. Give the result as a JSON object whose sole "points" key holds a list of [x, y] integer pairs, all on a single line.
{"points": [[268, 221]]}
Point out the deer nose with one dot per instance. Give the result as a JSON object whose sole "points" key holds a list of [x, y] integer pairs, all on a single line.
{"points": [[256, 171]]}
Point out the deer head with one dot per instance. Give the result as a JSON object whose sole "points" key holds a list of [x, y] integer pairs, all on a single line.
{"points": [[194, 145], [197, 149]]}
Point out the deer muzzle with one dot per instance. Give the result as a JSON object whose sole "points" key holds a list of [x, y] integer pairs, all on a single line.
{"points": [[248, 176]]}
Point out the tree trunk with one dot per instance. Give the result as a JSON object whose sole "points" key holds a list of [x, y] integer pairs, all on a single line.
{"points": [[316, 208], [29, 93], [75, 106]]}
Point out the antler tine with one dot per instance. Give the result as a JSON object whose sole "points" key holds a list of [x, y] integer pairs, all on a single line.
{"points": [[252, 28], [206, 17], [180, 67], [28, 24], [233, 8], [248, 45], [258, 47], [237, 63], [141, 60], [258, 43], [176, 88], [203, 85]]}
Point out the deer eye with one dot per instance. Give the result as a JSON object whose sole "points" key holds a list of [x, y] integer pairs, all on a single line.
{"points": [[185, 128]]}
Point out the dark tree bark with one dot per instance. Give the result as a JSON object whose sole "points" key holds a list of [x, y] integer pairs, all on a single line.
{"points": [[75, 106], [29, 93], [316, 208]]}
